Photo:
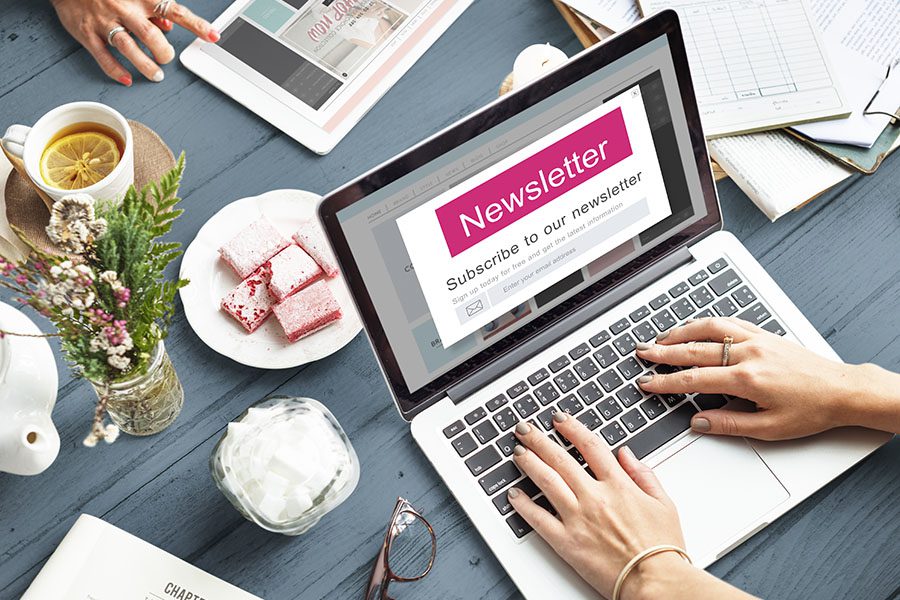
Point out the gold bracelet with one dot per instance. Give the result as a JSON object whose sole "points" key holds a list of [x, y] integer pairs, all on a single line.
{"points": [[620, 581]]}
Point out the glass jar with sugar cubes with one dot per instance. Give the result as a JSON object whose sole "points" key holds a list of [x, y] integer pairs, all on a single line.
{"points": [[285, 463]]}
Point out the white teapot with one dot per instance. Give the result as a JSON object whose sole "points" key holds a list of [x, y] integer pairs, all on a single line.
{"points": [[29, 441]]}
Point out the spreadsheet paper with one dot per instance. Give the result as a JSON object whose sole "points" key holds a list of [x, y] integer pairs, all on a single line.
{"points": [[756, 64]]}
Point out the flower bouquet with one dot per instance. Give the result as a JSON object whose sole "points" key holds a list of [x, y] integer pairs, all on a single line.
{"points": [[110, 302]]}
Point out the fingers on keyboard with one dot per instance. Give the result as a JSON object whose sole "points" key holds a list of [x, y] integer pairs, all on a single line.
{"points": [[591, 446]]}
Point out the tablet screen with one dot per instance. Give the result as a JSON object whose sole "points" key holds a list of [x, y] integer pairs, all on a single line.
{"points": [[331, 55]]}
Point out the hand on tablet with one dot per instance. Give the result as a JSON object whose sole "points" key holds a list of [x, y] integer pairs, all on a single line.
{"points": [[98, 24]]}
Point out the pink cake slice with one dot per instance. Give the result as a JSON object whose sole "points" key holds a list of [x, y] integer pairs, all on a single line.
{"points": [[307, 311], [254, 245], [311, 238], [250, 303], [292, 269]]}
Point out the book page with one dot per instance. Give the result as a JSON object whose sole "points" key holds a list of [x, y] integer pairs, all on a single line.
{"points": [[775, 170], [615, 15], [756, 65], [98, 561]]}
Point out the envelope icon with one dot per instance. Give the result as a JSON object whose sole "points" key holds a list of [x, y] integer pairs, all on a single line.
{"points": [[474, 308]]}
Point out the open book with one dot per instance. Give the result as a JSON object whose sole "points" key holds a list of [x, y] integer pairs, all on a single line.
{"points": [[97, 561]]}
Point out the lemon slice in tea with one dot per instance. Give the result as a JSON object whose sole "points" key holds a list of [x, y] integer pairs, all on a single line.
{"points": [[79, 160]]}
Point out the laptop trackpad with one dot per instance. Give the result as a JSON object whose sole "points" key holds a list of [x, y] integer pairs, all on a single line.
{"points": [[720, 486]]}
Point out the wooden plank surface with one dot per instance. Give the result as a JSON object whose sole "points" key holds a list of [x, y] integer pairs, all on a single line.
{"points": [[836, 258]]}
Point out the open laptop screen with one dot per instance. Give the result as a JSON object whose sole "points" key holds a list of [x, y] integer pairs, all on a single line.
{"points": [[481, 243]]}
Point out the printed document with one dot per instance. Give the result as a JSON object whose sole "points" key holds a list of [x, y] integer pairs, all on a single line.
{"points": [[613, 14], [756, 65]]}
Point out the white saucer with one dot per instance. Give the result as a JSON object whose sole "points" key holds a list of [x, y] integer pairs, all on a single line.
{"points": [[211, 279]]}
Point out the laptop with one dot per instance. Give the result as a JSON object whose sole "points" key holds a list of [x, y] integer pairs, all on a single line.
{"points": [[506, 267]]}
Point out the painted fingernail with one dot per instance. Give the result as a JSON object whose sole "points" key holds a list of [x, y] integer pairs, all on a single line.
{"points": [[125, 80], [523, 428], [628, 451], [560, 416], [645, 378], [512, 493], [700, 424], [213, 36], [643, 346], [691, 320], [158, 76], [519, 450], [662, 336]]}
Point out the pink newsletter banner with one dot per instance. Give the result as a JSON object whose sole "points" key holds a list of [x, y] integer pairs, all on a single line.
{"points": [[538, 180]]}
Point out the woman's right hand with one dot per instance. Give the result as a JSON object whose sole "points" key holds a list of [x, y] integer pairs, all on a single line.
{"points": [[797, 392]]}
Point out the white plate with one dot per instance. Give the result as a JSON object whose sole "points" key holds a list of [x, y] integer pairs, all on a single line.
{"points": [[211, 279]]}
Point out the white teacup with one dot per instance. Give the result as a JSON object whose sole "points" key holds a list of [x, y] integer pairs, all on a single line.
{"points": [[28, 144]]}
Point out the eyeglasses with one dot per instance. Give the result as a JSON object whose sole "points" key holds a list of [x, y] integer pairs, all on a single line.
{"points": [[407, 554]]}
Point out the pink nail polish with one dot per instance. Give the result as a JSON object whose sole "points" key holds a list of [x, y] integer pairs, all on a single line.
{"points": [[125, 80], [213, 36]]}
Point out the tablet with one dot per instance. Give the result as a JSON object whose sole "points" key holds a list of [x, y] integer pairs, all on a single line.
{"points": [[313, 68]]}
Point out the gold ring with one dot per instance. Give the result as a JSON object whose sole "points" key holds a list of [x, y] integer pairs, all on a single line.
{"points": [[726, 349]]}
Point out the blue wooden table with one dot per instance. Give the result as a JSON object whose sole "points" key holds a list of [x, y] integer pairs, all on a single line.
{"points": [[837, 258]]}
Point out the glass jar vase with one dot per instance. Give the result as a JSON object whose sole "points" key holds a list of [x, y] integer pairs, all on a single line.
{"points": [[146, 403]]}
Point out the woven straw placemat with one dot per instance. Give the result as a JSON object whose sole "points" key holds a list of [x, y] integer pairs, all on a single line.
{"points": [[28, 210]]}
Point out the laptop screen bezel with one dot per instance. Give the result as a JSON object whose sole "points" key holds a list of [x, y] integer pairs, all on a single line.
{"points": [[580, 66]]}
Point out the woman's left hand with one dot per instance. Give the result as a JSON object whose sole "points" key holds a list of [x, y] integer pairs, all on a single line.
{"points": [[604, 522]]}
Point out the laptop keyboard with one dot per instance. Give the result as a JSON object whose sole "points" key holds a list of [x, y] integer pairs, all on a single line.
{"points": [[595, 383]]}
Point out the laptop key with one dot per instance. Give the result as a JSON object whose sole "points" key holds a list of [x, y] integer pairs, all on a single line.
{"points": [[673, 400], [613, 433], [743, 296], [571, 405], [644, 332], [629, 368], [485, 431], [633, 420], [506, 419], [600, 338], [701, 297], [756, 314], [619, 326], [605, 357], [725, 282], [579, 351], [507, 443], [546, 418], [628, 395], [538, 376], [453, 428], [566, 381], [679, 289], [525, 485], [662, 431], [544, 503], [557, 365], [710, 401], [609, 408], [500, 478], [625, 344], [476, 415], [586, 369], [526, 406], [590, 419], [683, 309], [574, 453], [610, 380], [590, 393], [464, 444], [517, 390], [698, 278], [653, 407], [704, 314], [518, 525], [663, 320], [717, 266], [639, 314], [546, 393], [483, 460], [775, 327], [496, 402], [659, 301], [725, 307]]}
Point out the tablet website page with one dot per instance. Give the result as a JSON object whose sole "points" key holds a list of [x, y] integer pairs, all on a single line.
{"points": [[526, 215], [320, 51]]}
